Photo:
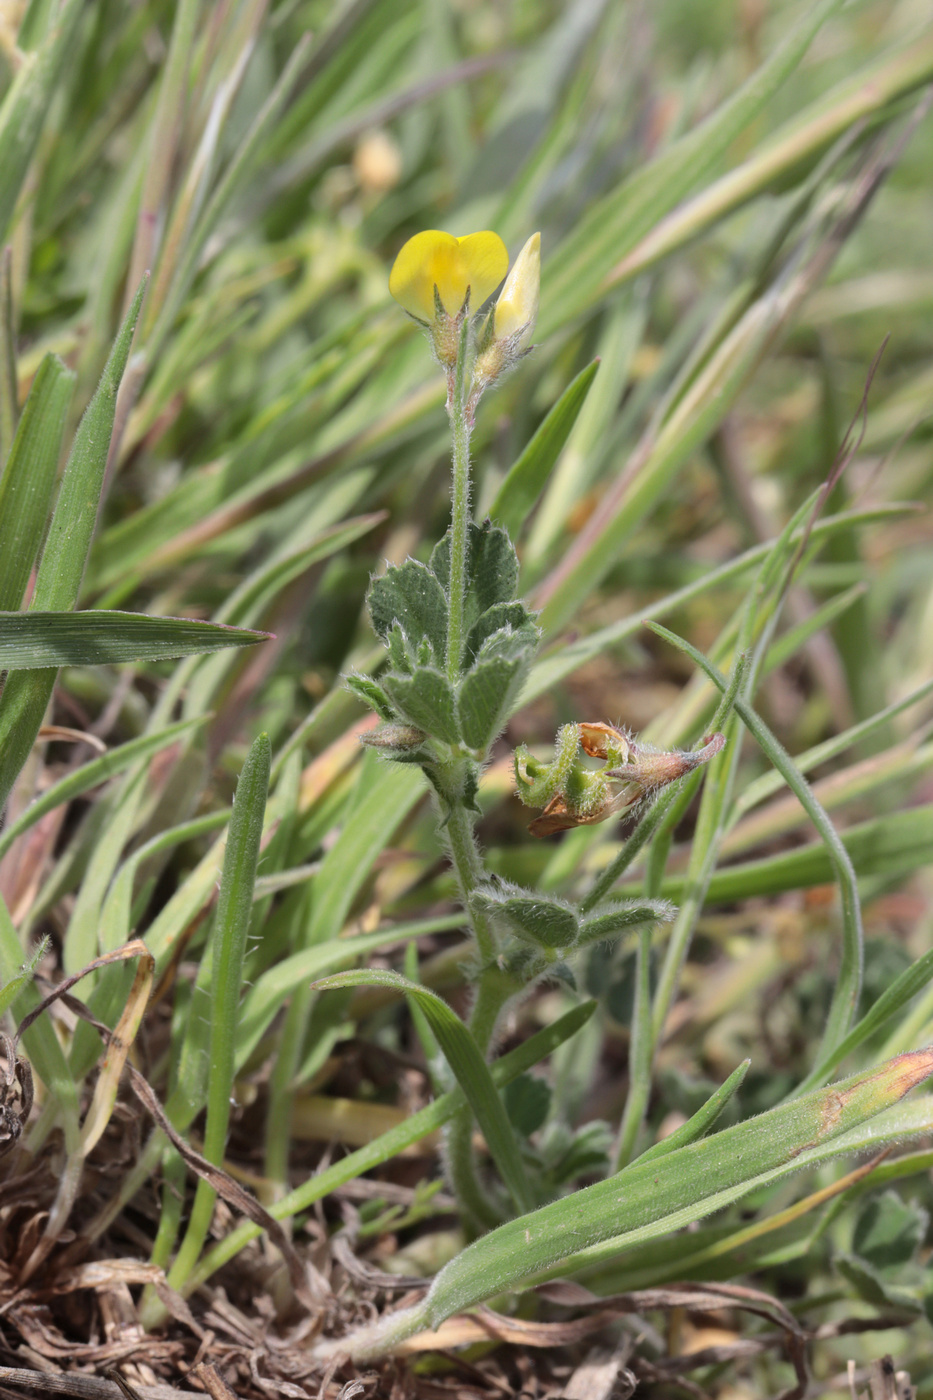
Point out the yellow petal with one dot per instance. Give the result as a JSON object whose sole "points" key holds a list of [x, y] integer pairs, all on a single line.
{"points": [[484, 262], [432, 259], [415, 270]]}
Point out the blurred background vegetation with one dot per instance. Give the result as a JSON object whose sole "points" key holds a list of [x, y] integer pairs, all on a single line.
{"points": [[733, 239]]}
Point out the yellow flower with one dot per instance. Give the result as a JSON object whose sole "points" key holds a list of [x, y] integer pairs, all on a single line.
{"points": [[517, 307], [476, 263]]}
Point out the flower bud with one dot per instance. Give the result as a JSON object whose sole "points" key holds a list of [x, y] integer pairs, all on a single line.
{"points": [[402, 738], [516, 310]]}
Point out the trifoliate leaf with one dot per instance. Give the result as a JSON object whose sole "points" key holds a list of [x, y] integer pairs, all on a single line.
{"points": [[485, 697], [491, 568], [872, 1287], [411, 596], [511, 619], [425, 697]]}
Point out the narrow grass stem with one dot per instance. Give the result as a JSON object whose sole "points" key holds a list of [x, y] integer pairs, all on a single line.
{"points": [[641, 1053], [849, 977], [460, 502], [710, 826]]}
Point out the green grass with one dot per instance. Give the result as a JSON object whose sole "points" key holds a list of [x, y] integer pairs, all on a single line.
{"points": [[215, 427]]}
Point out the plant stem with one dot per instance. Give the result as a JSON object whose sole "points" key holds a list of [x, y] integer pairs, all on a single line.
{"points": [[476, 1208], [478, 1211], [469, 871], [460, 502]]}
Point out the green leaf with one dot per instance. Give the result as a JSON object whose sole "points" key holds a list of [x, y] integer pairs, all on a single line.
{"points": [[628, 913], [29, 477], [612, 226], [371, 694], [527, 1101], [491, 569], [849, 977], [231, 926], [11, 989], [565, 660], [468, 1066], [889, 1231], [701, 1121], [887, 847], [89, 775], [527, 476], [227, 954], [511, 619], [426, 698], [410, 595], [896, 994], [388, 1145], [61, 569], [872, 1288], [550, 923], [485, 697], [655, 1197], [93, 638]]}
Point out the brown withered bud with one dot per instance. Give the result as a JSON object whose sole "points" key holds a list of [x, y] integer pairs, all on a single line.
{"points": [[654, 770], [603, 740], [557, 816]]}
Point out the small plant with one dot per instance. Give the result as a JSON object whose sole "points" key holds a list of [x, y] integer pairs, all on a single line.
{"points": [[459, 646]]}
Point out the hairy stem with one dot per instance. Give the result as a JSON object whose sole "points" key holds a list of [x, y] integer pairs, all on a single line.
{"points": [[460, 502], [468, 868]]}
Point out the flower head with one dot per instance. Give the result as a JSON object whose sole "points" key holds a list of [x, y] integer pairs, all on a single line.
{"points": [[517, 307], [573, 795], [437, 262]]}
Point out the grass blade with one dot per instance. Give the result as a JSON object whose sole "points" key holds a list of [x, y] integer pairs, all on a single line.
{"points": [[90, 775], [701, 1121], [527, 477], [29, 477], [656, 1197], [231, 925], [427, 1120], [58, 581], [849, 977], [468, 1066], [37, 640], [26, 106]]}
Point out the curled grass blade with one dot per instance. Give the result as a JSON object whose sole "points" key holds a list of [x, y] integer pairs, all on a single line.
{"points": [[849, 978], [467, 1065]]}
